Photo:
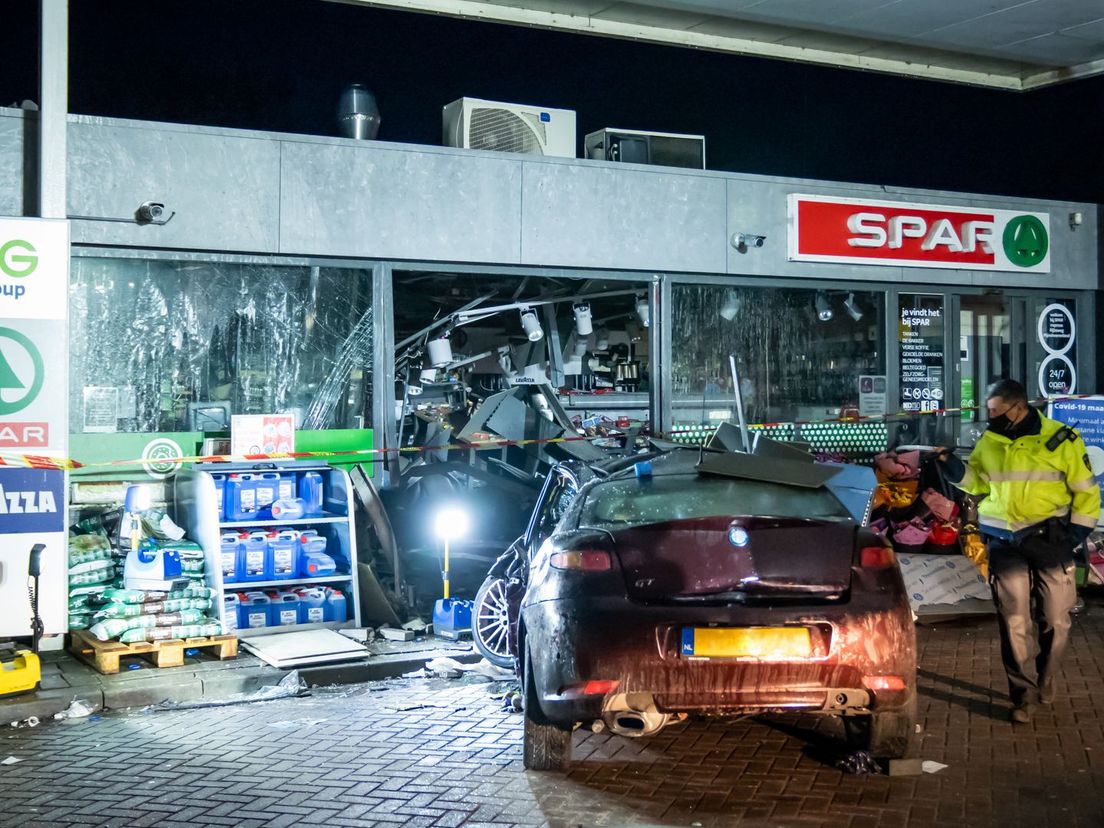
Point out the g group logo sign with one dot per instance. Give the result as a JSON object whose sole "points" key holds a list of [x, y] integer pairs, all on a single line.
{"points": [[34, 307], [859, 231], [18, 258]]}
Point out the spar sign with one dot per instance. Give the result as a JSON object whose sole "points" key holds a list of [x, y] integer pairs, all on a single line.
{"points": [[34, 309], [860, 231]]}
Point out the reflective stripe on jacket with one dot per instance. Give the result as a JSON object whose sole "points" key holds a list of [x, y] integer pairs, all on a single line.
{"points": [[1026, 483]]}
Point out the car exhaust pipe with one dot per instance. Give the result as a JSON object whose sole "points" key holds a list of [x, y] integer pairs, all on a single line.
{"points": [[634, 715]]}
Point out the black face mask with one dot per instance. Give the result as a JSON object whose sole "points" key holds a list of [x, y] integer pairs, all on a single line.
{"points": [[1000, 424]]}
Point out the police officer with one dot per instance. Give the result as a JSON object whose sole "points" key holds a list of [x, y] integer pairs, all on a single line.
{"points": [[1041, 502]]}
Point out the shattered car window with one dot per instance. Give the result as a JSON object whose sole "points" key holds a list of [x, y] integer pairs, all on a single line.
{"points": [[680, 497]]}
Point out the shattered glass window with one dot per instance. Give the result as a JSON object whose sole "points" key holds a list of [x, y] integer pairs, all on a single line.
{"points": [[153, 341], [799, 352], [632, 502]]}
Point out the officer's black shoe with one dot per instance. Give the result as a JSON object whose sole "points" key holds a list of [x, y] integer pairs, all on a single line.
{"points": [[1021, 713]]}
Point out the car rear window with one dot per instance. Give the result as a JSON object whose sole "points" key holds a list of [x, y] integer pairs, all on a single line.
{"points": [[679, 497]]}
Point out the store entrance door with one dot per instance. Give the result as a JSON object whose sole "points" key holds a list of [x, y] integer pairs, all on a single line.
{"points": [[985, 354]]}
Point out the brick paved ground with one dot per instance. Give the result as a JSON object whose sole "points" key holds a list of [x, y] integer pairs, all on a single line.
{"points": [[435, 752]]}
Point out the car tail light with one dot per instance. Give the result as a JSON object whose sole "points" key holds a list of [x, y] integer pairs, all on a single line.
{"points": [[587, 560], [876, 557], [882, 684], [590, 688]]}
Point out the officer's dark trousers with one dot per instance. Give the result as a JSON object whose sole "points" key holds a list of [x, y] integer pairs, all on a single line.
{"points": [[1015, 581]]}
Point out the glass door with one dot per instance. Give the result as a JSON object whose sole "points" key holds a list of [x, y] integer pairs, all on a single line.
{"points": [[985, 354]]}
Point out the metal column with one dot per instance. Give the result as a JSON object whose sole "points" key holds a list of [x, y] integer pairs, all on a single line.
{"points": [[659, 354], [384, 422], [53, 102]]}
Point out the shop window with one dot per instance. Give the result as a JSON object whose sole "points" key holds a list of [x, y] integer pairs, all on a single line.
{"points": [[802, 354], [158, 345]]}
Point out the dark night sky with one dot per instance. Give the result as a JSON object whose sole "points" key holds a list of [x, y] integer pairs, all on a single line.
{"points": [[281, 64]]}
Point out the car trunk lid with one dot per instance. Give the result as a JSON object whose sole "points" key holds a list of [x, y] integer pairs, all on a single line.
{"points": [[719, 557]]}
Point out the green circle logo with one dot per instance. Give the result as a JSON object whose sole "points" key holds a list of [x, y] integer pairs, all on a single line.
{"points": [[1025, 241], [18, 258], [9, 379]]}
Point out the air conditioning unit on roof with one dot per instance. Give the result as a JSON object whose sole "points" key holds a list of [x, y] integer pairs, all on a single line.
{"points": [[664, 149], [470, 123]]}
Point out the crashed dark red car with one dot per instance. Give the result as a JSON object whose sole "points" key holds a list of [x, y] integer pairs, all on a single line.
{"points": [[697, 582]]}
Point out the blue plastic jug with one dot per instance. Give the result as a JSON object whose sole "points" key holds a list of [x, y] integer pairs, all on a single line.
{"points": [[228, 556], [313, 560], [312, 605], [288, 509], [220, 494], [287, 488], [283, 609], [253, 557], [267, 486], [254, 610], [335, 605], [241, 497], [231, 612], [282, 555], [310, 490]]}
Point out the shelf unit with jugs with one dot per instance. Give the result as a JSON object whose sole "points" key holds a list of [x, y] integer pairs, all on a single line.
{"points": [[202, 511]]}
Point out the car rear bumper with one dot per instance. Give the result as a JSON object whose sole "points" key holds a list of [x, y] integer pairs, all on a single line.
{"points": [[866, 659]]}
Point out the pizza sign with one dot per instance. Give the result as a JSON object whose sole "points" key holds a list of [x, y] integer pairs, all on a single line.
{"points": [[859, 231]]}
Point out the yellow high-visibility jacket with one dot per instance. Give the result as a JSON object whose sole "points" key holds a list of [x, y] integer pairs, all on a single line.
{"points": [[1027, 483]]}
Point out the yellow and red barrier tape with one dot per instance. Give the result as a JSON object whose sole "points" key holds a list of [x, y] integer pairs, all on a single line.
{"points": [[38, 461]]}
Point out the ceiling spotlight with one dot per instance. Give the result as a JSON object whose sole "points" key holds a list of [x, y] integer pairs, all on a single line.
{"points": [[581, 346], [583, 323], [731, 306], [428, 376], [852, 307], [823, 309], [530, 325], [440, 352], [642, 310], [601, 339]]}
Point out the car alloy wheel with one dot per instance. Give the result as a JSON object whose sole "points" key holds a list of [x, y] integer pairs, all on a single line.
{"points": [[491, 623]]}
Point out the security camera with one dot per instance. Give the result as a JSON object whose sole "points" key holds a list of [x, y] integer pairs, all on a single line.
{"points": [[150, 211], [746, 240]]}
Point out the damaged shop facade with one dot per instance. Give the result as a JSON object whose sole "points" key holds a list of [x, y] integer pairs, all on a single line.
{"points": [[428, 301]]}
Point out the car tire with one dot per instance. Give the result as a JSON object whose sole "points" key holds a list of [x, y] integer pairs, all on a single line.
{"points": [[491, 623], [887, 735], [545, 746]]}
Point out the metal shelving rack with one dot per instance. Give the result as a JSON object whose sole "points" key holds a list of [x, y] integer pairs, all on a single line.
{"points": [[197, 513]]}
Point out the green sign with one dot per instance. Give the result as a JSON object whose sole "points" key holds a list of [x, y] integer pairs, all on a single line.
{"points": [[1025, 241], [18, 264], [11, 341]]}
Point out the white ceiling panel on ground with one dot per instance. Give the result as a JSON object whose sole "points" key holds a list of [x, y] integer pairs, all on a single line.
{"points": [[1009, 44]]}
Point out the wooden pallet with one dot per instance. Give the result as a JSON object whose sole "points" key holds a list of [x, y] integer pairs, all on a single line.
{"points": [[105, 655]]}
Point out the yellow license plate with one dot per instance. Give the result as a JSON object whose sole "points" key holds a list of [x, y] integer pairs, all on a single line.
{"points": [[765, 643]]}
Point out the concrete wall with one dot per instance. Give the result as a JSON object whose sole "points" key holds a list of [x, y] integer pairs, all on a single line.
{"points": [[266, 193], [12, 127]]}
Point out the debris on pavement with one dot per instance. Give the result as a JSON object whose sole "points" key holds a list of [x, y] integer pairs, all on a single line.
{"points": [[290, 686], [859, 762], [77, 709], [392, 634], [360, 634], [905, 767], [30, 721], [417, 626], [451, 668], [11, 760], [932, 766]]}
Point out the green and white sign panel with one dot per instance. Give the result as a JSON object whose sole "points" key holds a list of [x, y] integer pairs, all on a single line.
{"points": [[34, 315]]}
